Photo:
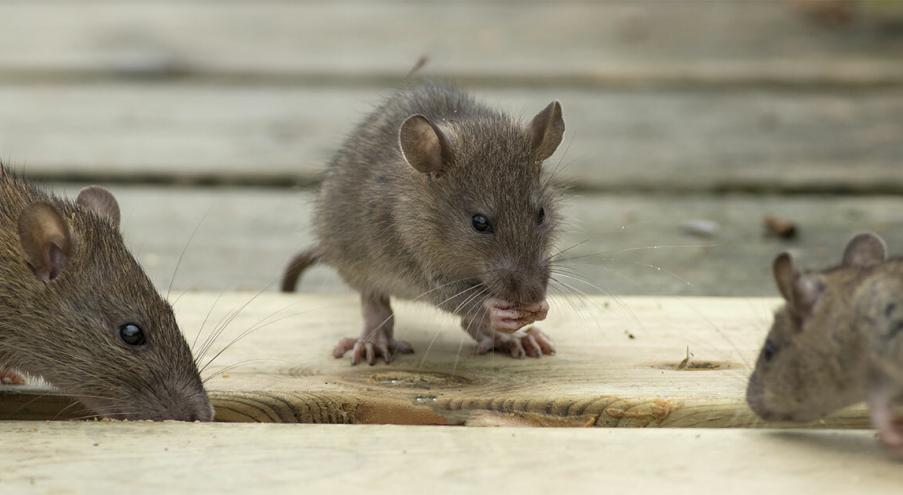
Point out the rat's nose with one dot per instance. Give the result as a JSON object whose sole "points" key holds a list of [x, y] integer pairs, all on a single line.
{"points": [[521, 289]]}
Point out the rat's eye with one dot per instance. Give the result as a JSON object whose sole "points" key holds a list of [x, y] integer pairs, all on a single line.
{"points": [[481, 224], [131, 334], [541, 215], [769, 350]]}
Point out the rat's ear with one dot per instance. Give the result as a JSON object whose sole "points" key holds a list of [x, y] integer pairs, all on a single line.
{"points": [[807, 290], [101, 202], [45, 240], [546, 131], [800, 291], [865, 250], [423, 145], [784, 274]]}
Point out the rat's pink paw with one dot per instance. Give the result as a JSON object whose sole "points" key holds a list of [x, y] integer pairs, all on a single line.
{"points": [[11, 377], [507, 318], [371, 349], [533, 343], [891, 435]]}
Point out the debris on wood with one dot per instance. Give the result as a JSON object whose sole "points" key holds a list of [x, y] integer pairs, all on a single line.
{"points": [[701, 228], [629, 335], [686, 361], [780, 227]]}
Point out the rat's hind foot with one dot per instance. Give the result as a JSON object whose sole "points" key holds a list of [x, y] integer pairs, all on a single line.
{"points": [[372, 349], [11, 377], [532, 342]]}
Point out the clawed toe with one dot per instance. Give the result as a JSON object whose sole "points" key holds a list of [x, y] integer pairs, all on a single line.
{"points": [[363, 350], [532, 343]]}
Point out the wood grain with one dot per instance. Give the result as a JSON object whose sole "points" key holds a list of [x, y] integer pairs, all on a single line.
{"points": [[672, 140], [151, 458], [503, 42], [616, 366]]}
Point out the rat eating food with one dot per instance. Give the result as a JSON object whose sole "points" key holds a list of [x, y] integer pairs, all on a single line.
{"points": [[436, 197], [77, 310]]}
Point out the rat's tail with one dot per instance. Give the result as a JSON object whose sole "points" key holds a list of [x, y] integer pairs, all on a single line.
{"points": [[302, 261]]}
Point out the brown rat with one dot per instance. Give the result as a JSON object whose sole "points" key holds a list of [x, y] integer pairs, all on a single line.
{"points": [[77, 309], [812, 363], [437, 197], [837, 341]]}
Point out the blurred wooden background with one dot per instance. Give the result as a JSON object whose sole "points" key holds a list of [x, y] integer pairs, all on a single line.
{"points": [[688, 122]]}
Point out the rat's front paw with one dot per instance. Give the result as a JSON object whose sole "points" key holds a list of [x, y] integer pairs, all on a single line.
{"points": [[890, 434], [532, 342], [507, 318], [371, 348], [11, 377]]}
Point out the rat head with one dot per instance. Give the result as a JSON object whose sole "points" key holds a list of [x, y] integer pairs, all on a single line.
{"points": [[812, 360], [92, 323], [483, 210]]}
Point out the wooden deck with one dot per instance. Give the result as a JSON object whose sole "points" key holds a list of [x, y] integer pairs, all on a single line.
{"points": [[220, 116]]}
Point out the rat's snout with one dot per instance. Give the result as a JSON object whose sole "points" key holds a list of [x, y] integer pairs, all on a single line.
{"points": [[518, 287]]}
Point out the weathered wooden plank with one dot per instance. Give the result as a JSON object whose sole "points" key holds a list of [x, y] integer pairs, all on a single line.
{"points": [[614, 42], [269, 459], [617, 365], [621, 244], [616, 140]]}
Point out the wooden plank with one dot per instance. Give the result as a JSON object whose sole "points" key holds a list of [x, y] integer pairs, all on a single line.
{"points": [[583, 43], [268, 459], [621, 244], [617, 365], [617, 140]]}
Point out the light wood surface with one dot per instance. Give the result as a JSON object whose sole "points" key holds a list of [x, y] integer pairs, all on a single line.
{"points": [[585, 42], [617, 140], [616, 366], [620, 243], [152, 458]]}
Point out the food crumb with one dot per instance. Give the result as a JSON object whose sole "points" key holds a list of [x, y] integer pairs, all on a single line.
{"points": [[780, 227], [629, 335]]}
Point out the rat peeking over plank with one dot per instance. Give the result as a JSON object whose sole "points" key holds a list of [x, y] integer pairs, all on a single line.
{"points": [[837, 340], [77, 310], [439, 198]]}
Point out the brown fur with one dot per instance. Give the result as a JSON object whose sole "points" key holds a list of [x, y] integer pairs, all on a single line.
{"points": [[66, 329], [819, 357]]}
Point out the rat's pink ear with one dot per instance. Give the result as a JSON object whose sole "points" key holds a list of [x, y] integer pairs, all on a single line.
{"points": [[101, 202], [547, 130], [423, 145], [784, 274], [45, 240], [865, 250]]}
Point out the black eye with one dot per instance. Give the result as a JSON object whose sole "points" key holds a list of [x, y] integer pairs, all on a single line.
{"points": [[481, 224], [769, 350], [541, 215], [131, 334]]}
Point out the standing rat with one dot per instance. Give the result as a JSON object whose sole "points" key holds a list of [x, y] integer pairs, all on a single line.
{"points": [[77, 309], [437, 197], [837, 341]]}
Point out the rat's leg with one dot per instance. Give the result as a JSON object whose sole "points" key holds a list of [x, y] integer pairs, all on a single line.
{"points": [[376, 339], [890, 428], [495, 328]]}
